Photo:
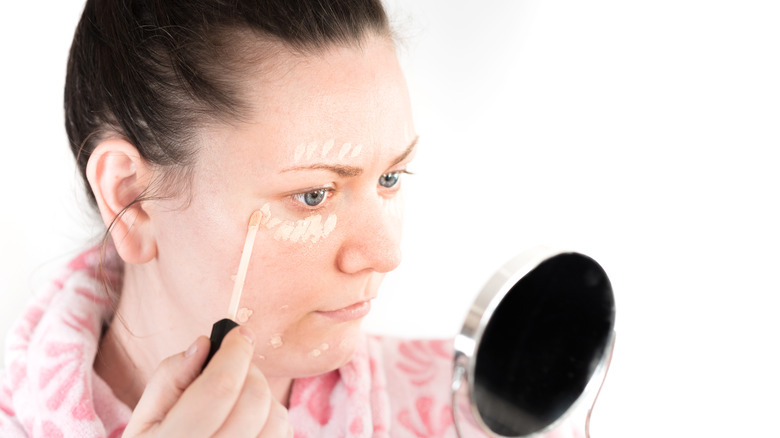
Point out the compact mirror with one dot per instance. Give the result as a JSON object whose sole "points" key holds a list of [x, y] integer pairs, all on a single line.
{"points": [[535, 343]]}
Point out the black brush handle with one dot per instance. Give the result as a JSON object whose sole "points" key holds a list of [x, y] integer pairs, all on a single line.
{"points": [[218, 332]]}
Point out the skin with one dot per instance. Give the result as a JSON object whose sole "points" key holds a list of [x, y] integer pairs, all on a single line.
{"points": [[182, 252]]}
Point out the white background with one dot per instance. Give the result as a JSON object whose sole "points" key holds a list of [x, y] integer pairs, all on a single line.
{"points": [[644, 134]]}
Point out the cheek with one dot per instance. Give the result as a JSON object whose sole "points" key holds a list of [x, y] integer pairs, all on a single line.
{"points": [[198, 254], [288, 272], [286, 282]]}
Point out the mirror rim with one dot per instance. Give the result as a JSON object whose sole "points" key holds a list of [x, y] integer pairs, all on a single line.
{"points": [[481, 311]]}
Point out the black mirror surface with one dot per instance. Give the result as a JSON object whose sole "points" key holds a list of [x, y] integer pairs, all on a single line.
{"points": [[542, 345]]}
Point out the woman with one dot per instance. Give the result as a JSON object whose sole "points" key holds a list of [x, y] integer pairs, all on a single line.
{"points": [[185, 117]]}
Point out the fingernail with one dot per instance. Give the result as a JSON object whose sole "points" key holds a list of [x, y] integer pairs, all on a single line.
{"points": [[247, 334], [190, 351]]}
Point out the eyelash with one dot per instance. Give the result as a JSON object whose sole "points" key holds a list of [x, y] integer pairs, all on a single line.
{"points": [[300, 198], [397, 185]]}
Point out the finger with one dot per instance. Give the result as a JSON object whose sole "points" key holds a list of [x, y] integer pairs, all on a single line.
{"points": [[169, 381], [250, 413], [278, 423], [206, 403]]}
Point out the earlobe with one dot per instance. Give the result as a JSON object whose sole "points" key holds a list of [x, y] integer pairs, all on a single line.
{"points": [[118, 176]]}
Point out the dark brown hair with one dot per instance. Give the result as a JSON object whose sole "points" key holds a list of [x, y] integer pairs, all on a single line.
{"points": [[151, 71]]}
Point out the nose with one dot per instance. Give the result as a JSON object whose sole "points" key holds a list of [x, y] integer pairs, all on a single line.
{"points": [[373, 240]]}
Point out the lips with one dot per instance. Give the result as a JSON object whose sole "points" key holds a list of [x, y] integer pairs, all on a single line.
{"points": [[349, 313]]}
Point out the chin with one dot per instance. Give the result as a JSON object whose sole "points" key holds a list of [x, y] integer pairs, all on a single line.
{"points": [[304, 360]]}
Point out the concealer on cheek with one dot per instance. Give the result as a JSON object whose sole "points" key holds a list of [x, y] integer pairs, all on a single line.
{"points": [[317, 352], [394, 206], [244, 314], [309, 230]]}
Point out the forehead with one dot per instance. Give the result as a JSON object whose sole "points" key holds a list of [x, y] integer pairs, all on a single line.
{"points": [[349, 93]]}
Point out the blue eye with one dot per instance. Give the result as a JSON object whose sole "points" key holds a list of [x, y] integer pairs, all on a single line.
{"points": [[388, 180], [313, 198]]}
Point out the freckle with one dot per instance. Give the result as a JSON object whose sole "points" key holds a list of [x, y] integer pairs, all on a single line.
{"points": [[324, 347], [330, 224], [310, 149], [344, 149], [300, 228], [244, 314], [276, 341], [315, 353], [299, 151], [327, 147], [356, 151]]}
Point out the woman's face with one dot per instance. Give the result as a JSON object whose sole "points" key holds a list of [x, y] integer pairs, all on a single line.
{"points": [[323, 156]]}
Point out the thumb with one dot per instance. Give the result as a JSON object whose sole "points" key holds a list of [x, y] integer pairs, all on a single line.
{"points": [[168, 382]]}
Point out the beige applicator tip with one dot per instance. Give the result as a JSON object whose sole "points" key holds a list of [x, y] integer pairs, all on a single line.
{"points": [[254, 220], [223, 326]]}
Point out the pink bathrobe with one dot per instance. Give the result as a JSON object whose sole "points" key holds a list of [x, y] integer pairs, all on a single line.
{"points": [[391, 388]]}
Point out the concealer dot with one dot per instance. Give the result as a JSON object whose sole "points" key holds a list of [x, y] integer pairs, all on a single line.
{"points": [[244, 314], [276, 341]]}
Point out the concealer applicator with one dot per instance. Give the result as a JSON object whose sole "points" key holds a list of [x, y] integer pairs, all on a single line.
{"points": [[224, 325]]}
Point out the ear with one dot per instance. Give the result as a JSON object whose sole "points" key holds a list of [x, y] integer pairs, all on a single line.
{"points": [[118, 176]]}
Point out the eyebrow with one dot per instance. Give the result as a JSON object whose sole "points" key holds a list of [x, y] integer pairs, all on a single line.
{"points": [[406, 153], [352, 171]]}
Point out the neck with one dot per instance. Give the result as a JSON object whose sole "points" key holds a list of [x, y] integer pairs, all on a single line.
{"points": [[141, 336]]}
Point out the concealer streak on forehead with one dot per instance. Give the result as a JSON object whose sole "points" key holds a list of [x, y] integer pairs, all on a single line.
{"points": [[408, 136], [309, 230], [309, 150]]}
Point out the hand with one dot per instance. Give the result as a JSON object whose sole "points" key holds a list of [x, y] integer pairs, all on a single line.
{"points": [[231, 398]]}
